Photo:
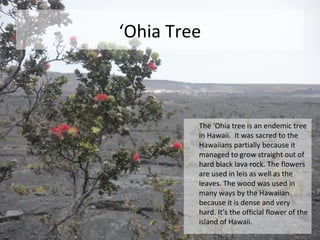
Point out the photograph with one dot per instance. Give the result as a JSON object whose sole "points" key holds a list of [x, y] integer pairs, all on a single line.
{"points": [[159, 120]]}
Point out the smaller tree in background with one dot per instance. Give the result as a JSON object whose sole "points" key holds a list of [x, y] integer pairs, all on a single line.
{"points": [[22, 69]]}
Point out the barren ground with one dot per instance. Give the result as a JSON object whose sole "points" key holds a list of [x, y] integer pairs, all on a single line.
{"points": [[108, 217]]}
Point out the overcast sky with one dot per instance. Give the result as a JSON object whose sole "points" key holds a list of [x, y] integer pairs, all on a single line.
{"points": [[247, 41]]}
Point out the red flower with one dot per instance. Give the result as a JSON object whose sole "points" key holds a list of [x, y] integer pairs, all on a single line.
{"points": [[56, 131], [12, 38], [136, 157], [46, 65], [152, 66], [101, 97], [64, 127], [73, 39], [177, 145]]}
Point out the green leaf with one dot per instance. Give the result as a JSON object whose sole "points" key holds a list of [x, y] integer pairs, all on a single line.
{"points": [[95, 129]]}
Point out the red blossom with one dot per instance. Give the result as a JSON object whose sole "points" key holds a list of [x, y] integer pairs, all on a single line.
{"points": [[101, 97], [56, 131], [152, 66], [73, 39], [64, 127], [177, 145], [12, 38], [59, 134], [136, 157], [46, 65]]}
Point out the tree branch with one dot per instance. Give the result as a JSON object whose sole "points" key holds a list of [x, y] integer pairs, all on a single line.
{"points": [[75, 207], [10, 79]]}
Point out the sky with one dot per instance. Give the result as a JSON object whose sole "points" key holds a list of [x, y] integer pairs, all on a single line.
{"points": [[247, 41]]}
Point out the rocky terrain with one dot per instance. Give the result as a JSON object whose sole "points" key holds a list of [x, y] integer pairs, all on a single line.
{"points": [[108, 217]]}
